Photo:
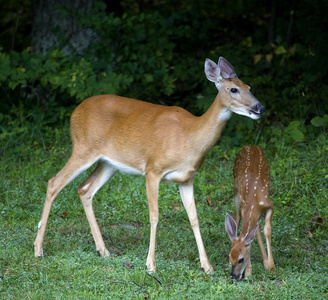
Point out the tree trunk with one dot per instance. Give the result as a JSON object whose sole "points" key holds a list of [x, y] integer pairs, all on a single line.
{"points": [[272, 25], [56, 24]]}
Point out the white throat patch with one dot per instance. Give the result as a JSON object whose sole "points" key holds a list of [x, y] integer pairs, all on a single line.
{"points": [[225, 114]]}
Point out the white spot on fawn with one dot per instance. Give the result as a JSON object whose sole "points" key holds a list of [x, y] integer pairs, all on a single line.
{"points": [[39, 225], [261, 203]]}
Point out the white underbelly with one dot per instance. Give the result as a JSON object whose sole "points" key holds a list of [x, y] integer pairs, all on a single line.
{"points": [[122, 167], [170, 175], [179, 175]]}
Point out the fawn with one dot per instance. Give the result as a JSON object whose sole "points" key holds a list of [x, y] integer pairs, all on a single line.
{"points": [[251, 195]]}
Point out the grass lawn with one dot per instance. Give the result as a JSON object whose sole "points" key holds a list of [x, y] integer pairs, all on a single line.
{"points": [[71, 268]]}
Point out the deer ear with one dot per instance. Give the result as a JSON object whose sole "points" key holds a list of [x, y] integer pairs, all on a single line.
{"points": [[231, 227], [251, 235], [212, 71], [227, 70]]}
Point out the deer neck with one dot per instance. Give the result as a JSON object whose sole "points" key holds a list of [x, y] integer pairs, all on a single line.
{"points": [[212, 122]]}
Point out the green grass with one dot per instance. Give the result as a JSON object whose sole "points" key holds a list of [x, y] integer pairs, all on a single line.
{"points": [[71, 268]]}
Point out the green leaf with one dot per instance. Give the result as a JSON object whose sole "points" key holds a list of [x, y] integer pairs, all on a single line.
{"points": [[277, 131], [293, 130], [4, 66], [319, 121], [281, 50], [149, 78], [297, 135]]}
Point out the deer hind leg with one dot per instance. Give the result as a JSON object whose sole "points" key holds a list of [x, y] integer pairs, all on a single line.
{"points": [[74, 167], [152, 186], [187, 195], [269, 263], [102, 173]]}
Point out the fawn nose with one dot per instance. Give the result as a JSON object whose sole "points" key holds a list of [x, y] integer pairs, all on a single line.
{"points": [[237, 277]]}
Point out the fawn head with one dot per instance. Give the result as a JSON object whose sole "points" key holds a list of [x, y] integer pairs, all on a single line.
{"points": [[241, 248]]}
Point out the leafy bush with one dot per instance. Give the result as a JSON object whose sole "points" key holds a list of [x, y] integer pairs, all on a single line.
{"points": [[35, 77], [138, 46], [158, 56]]}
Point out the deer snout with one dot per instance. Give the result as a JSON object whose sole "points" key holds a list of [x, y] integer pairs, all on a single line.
{"points": [[256, 111], [234, 274], [237, 277], [260, 108]]}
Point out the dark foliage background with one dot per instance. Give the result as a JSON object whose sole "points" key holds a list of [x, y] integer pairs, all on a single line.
{"points": [[54, 54]]}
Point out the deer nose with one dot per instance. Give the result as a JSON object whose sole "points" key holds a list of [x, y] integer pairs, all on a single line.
{"points": [[260, 108]]}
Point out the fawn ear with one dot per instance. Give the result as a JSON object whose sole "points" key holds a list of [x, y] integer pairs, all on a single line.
{"points": [[212, 71], [231, 227], [251, 235], [227, 70]]}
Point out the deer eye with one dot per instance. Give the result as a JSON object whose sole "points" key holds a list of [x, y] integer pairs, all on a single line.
{"points": [[234, 90], [241, 260]]}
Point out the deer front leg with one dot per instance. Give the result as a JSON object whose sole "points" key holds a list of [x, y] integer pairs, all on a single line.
{"points": [[152, 185], [248, 269], [187, 195]]}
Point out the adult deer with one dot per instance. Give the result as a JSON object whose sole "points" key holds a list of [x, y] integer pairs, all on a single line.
{"points": [[252, 183], [159, 142]]}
